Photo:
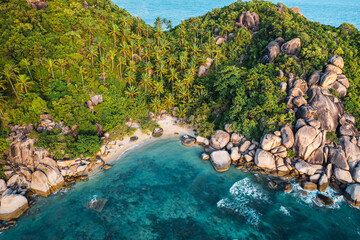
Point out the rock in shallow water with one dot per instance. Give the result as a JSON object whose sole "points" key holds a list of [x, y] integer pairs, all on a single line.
{"points": [[220, 160], [324, 200], [12, 206]]}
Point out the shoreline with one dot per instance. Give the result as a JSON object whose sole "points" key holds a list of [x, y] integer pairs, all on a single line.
{"points": [[117, 149]]}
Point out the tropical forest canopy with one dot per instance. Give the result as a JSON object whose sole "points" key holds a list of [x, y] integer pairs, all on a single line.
{"points": [[53, 60]]}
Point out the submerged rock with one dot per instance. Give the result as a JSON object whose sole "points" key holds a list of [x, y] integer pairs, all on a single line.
{"points": [[324, 200]]}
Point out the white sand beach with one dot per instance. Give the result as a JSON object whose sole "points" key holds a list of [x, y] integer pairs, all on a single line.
{"points": [[117, 148]]}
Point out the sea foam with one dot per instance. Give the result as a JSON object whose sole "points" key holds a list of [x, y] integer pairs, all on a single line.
{"points": [[244, 194]]}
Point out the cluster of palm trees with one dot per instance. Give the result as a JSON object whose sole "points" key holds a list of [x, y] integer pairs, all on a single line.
{"points": [[161, 65]]}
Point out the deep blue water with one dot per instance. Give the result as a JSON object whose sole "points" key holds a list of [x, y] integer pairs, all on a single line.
{"points": [[330, 12], [165, 191]]}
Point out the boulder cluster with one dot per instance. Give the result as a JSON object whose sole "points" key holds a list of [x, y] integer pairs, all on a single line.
{"points": [[38, 4], [31, 169], [274, 48], [306, 150]]}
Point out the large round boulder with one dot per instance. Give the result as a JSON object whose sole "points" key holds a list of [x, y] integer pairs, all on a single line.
{"points": [[12, 206], [337, 61], [328, 78], [287, 136], [39, 184], [219, 139], [270, 141], [264, 159], [343, 175], [249, 21], [307, 140], [307, 168], [352, 194], [220, 160], [290, 47]]}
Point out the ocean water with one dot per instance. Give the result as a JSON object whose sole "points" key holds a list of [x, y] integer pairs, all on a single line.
{"points": [[165, 191], [330, 12]]}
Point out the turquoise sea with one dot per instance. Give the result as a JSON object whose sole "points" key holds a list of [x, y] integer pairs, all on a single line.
{"points": [[331, 12], [165, 191]]}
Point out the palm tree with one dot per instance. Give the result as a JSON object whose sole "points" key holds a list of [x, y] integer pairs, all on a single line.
{"points": [[173, 76], [171, 59], [3, 103], [156, 105], [50, 67], [124, 48], [158, 88], [121, 62], [82, 71], [131, 91], [61, 63], [169, 101], [146, 81], [114, 32], [182, 33], [148, 67], [100, 45], [161, 69], [182, 63], [103, 64], [9, 75], [228, 27], [112, 54], [188, 79], [89, 26], [24, 83], [92, 53], [26, 63], [146, 55], [130, 78]]}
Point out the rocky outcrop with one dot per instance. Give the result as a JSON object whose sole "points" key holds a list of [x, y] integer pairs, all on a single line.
{"points": [[38, 4], [307, 139], [220, 160], [270, 141], [307, 168], [40, 184], [291, 47], [306, 150], [94, 100], [272, 50], [249, 21], [297, 10], [219, 139], [352, 194], [12, 206], [205, 68], [264, 159]]}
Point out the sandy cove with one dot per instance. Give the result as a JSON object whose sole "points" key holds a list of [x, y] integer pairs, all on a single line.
{"points": [[117, 148]]}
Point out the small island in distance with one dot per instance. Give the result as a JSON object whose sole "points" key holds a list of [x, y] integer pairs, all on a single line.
{"points": [[261, 88]]}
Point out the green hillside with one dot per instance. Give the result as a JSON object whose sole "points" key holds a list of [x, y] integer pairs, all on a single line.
{"points": [[54, 60]]}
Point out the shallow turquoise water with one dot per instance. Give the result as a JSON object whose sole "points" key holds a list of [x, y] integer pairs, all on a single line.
{"points": [[164, 191], [331, 12]]}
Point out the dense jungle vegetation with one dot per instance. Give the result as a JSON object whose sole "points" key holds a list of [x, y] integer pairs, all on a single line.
{"points": [[54, 60]]}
